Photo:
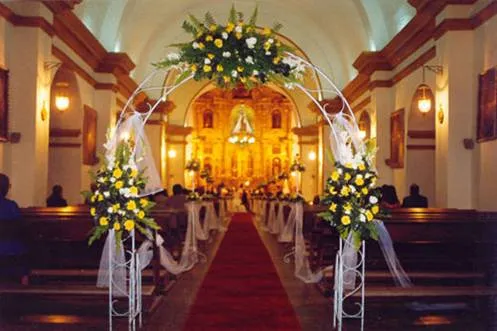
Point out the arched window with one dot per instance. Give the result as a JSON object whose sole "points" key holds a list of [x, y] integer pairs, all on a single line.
{"points": [[208, 119], [276, 119]]}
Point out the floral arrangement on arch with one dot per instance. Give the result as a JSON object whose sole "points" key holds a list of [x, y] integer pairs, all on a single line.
{"points": [[353, 198], [234, 54], [193, 165], [115, 203]]}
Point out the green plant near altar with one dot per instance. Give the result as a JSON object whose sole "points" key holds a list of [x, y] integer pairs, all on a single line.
{"points": [[353, 199], [234, 54], [116, 203]]}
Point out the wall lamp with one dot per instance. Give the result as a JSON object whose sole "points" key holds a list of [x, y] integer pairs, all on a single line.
{"points": [[424, 102]]}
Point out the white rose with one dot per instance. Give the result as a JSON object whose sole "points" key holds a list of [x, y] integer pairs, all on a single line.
{"points": [[207, 61], [226, 54], [255, 72], [121, 212], [270, 40], [238, 29], [224, 35], [268, 53], [136, 211], [352, 188], [110, 210], [234, 73], [251, 42], [106, 194], [373, 199], [173, 56], [112, 180], [249, 59], [195, 45], [362, 218]]}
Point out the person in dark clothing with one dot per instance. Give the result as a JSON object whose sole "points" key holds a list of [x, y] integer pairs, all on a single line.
{"points": [[389, 199], [12, 246], [9, 210], [178, 199], [414, 199], [55, 199]]}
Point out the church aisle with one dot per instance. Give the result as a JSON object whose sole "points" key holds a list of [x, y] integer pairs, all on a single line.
{"points": [[242, 289]]}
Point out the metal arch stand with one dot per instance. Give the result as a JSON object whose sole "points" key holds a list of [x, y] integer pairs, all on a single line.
{"points": [[134, 284], [340, 295]]}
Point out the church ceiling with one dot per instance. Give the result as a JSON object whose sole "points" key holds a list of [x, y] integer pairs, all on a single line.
{"points": [[332, 33]]}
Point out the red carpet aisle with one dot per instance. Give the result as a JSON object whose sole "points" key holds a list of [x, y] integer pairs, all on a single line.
{"points": [[242, 290]]}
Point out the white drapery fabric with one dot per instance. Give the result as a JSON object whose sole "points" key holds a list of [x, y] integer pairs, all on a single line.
{"points": [[211, 218], [288, 232], [113, 253], [271, 219], [280, 217], [302, 268], [222, 211]]}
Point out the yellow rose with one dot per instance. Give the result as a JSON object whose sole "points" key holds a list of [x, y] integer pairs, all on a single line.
{"points": [[201, 46], [143, 202], [141, 214], [335, 176], [93, 211], [347, 176], [230, 27], [348, 165], [345, 191], [369, 216], [249, 29], [129, 225], [119, 184], [219, 68], [359, 181], [364, 191], [211, 56], [133, 190], [226, 79], [209, 38], [238, 35], [332, 190], [362, 167], [207, 68], [375, 209], [100, 197], [240, 68], [193, 67], [345, 220], [266, 31], [93, 198], [243, 79], [134, 173], [213, 27], [116, 207], [104, 221], [117, 226], [267, 46], [333, 207], [218, 42], [277, 60], [117, 173], [347, 207], [131, 205]]}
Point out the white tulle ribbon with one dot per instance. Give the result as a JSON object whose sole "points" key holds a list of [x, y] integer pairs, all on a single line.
{"points": [[288, 232], [115, 254], [280, 218], [302, 268], [349, 257], [271, 221], [211, 218]]}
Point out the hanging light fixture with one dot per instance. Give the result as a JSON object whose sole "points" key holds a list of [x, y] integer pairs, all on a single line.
{"points": [[424, 102], [62, 101]]}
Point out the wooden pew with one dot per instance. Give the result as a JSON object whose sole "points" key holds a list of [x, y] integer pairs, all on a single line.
{"points": [[63, 265]]}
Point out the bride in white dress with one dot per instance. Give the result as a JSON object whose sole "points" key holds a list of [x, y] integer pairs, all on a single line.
{"points": [[237, 204]]}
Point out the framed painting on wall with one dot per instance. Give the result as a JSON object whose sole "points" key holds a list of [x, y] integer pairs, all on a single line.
{"points": [[397, 133], [487, 106], [4, 105], [90, 136]]}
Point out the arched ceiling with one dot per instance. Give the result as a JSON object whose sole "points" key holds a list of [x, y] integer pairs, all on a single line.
{"points": [[331, 32]]}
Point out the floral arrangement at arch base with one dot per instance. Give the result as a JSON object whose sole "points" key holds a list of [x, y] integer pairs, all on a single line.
{"points": [[234, 54], [353, 198], [115, 203]]}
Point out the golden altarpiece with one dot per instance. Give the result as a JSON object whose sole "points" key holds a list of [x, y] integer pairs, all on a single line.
{"points": [[271, 146]]}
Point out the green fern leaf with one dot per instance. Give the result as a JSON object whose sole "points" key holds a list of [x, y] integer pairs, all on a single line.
{"points": [[253, 18], [209, 19]]}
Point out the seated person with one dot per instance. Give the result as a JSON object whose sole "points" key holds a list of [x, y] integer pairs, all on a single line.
{"points": [[389, 199], [160, 198], [178, 199], [414, 199], [55, 199], [12, 246]]}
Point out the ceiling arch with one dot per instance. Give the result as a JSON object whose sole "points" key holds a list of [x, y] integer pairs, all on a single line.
{"points": [[332, 33]]}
